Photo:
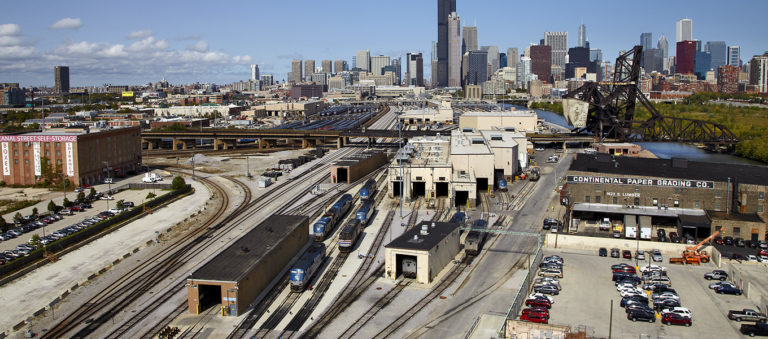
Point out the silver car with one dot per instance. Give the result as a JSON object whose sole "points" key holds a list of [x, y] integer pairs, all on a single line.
{"points": [[656, 256]]}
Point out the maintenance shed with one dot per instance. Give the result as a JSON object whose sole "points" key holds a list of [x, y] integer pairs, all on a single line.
{"points": [[234, 278], [349, 169], [432, 245]]}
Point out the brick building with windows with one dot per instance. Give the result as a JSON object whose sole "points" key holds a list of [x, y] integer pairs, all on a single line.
{"points": [[83, 156]]}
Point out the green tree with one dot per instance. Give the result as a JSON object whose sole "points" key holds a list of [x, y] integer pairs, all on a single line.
{"points": [[51, 206], [67, 203], [81, 196], [120, 205], [3, 224], [34, 211], [91, 193], [178, 183], [36, 240], [17, 218], [150, 196]]}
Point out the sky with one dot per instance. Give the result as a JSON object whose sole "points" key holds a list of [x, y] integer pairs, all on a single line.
{"points": [[136, 42]]}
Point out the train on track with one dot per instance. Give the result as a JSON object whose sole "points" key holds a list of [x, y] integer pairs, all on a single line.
{"points": [[365, 213], [309, 263], [409, 268], [501, 185], [368, 191], [349, 235], [323, 227], [474, 241], [458, 217]]}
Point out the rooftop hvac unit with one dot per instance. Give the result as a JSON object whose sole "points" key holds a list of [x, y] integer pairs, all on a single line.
{"points": [[424, 230]]}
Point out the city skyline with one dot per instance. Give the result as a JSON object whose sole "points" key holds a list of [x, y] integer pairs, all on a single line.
{"points": [[184, 45]]}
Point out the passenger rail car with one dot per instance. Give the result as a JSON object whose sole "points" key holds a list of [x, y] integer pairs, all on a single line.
{"points": [[304, 269], [474, 241], [349, 235], [322, 228], [368, 191], [365, 213]]}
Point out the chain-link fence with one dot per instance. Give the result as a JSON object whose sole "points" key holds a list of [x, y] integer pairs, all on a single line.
{"points": [[522, 293]]}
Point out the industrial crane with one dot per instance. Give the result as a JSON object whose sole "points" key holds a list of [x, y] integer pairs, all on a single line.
{"points": [[692, 255]]}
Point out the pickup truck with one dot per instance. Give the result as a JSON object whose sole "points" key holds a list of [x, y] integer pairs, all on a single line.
{"points": [[760, 329], [747, 315]]}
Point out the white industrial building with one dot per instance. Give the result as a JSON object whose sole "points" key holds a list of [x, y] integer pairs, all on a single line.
{"points": [[521, 121], [432, 245]]}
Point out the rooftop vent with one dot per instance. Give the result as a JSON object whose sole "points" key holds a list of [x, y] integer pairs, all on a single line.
{"points": [[433, 225], [424, 230], [496, 137], [478, 141], [468, 129]]}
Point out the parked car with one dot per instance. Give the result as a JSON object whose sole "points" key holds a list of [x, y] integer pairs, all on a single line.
{"points": [[637, 306], [107, 197], [656, 256], [728, 289], [108, 181], [548, 281], [719, 240], [746, 315], [716, 275], [626, 254], [546, 289], [554, 258], [535, 318], [739, 242], [638, 299], [661, 304], [640, 255], [603, 252], [616, 234], [551, 273], [128, 204], [661, 233], [538, 302], [728, 241], [678, 310], [652, 268], [614, 253], [622, 276], [633, 279], [645, 315], [541, 296], [675, 319], [737, 257], [758, 328]]}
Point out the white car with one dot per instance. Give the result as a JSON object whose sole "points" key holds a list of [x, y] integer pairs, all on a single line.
{"points": [[752, 258], [107, 197], [115, 210], [108, 180], [679, 310], [762, 258], [629, 293], [548, 280], [541, 295], [652, 268], [666, 295], [640, 255], [624, 286]]}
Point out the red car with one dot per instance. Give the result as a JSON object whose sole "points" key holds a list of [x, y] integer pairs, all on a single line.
{"points": [[763, 252], [719, 240], [535, 318], [76, 208], [626, 254], [675, 319], [628, 269], [537, 310], [538, 303]]}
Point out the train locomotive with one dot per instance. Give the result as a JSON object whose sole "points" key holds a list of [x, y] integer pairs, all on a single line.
{"points": [[474, 241], [365, 213], [458, 217], [409, 268], [323, 227], [501, 185], [349, 235], [368, 191], [309, 263]]}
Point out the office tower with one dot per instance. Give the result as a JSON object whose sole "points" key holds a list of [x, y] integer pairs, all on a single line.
{"points": [[645, 40], [512, 57], [541, 62], [654, 60], [363, 60], [718, 51], [397, 64], [728, 79], [414, 69], [579, 57], [267, 79], [582, 36], [327, 66], [684, 30], [502, 60], [61, 79], [686, 52], [734, 56], [296, 71], [433, 65], [758, 73], [702, 62], [558, 41], [663, 45], [339, 66], [493, 57], [523, 71], [469, 39], [595, 54], [454, 50], [254, 72], [444, 10], [377, 63], [309, 69], [477, 72]]}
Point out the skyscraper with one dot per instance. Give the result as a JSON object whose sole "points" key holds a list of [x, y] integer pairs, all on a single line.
{"points": [[702, 63], [397, 63], [363, 59], [685, 56], [541, 62], [444, 10], [582, 36], [493, 57], [377, 63], [469, 39], [758, 73], [61, 79], [433, 65], [309, 69], [512, 57], [684, 30], [523, 71], [477, 72], [645, 40], [254, 72], [718, 51], [339, 66], [296, 71], [728, 79], [558, 41], [596, 54], [414, 69], [734, 56], [327, 66], [454, 50], [663, 45]]}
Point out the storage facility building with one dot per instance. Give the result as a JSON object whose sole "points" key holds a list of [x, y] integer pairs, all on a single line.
{"points": [[433, 245]]}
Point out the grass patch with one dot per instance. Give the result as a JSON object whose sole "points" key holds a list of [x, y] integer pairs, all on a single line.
{"points": [[9, 206]]}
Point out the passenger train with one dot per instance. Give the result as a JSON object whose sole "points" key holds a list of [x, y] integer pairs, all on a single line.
{"points": [[474, 240], [323, 227], [309, 263], [365, 213], [368, 191], [349, 235]]}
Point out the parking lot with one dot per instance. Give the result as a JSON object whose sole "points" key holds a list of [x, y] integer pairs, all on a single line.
{"points": [[587, 292]]}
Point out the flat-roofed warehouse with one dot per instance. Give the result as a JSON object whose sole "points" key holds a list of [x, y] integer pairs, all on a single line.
{"points": [[432, 245], [238, 275], [349, 169]]}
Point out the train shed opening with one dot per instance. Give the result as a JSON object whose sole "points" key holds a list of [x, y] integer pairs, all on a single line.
{"points": [[396, 188], [462, 198], [419, 189], [341, 175], [406, 266], [482, 184], [422, 252], [441, 189], [210, 296]]}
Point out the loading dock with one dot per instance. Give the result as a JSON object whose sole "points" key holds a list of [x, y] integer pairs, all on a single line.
{"points": [[433, 245], [238, 275]]}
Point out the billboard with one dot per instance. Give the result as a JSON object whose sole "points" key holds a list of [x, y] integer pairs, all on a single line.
{"points": [[127, 93]]}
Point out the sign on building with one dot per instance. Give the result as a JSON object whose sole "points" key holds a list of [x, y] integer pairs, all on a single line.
{"points": [[70, 160], [679, 183]]}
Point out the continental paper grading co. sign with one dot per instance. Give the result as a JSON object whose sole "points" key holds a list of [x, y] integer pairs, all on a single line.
{"points": [[681, 183]]}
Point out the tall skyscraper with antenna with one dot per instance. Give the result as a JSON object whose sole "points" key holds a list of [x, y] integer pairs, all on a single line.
{"points": [[582, 36]]}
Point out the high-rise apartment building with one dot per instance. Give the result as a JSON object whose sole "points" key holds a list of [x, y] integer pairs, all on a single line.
{"points": [[523, 71], [377, 63], [758, 73], [541, 62], [444, 10], [397, 64], [339, 66], [267, 79], [454, 50], [645, 40], [327, 66], [61, 79], [254, 72], [684, 30], [685, 56], [477, 72], [469, 39], [414, 69], [734, 56], [728, 79], [296, 71], [309, 69], [363, 59], [718, 51], [583, 36], [558, 41], [513, 57]]}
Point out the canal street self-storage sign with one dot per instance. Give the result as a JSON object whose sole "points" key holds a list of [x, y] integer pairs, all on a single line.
{"points": [[682, 183]]}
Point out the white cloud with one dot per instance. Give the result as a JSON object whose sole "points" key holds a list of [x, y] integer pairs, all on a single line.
{"points": [[15, 52], [140, 34], [148, 43], [9, 29], [200, 46], [68, 23]]}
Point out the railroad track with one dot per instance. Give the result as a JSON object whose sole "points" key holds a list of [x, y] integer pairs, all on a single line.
{"points": [[199, 324], [377, 306]]}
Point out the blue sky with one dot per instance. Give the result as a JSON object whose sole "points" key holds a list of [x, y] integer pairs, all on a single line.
{"points": [[204, 41]]}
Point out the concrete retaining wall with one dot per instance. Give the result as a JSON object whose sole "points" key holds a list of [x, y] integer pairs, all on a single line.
{"points": [[578, 242]]}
